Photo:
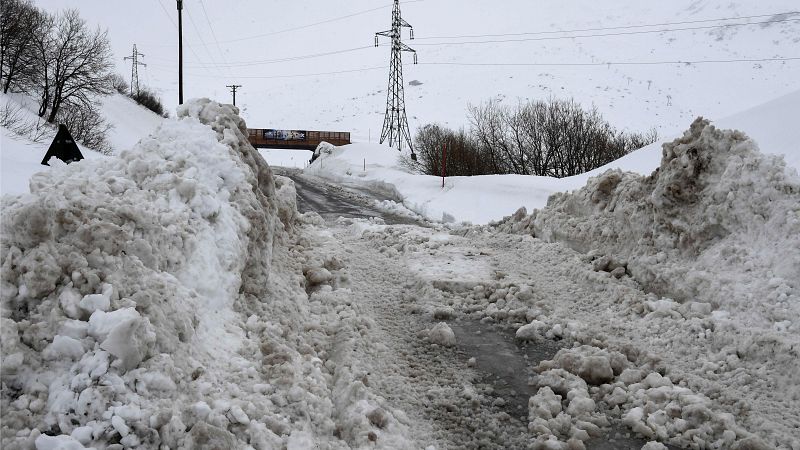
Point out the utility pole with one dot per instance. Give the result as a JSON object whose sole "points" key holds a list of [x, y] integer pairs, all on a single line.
{"points": [[135, 63], [233, 88], [180, 52], [395, 122]]}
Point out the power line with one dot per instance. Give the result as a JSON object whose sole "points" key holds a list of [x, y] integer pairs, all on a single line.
{"points": [[627, 33], [303, 27], [200, 36], [302, 75], [617, 63], [558, 64], [291, 58], [214, 35], [163, 8], [207, 65], [580, 30]]}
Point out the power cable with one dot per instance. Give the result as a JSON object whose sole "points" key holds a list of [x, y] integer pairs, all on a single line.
{"points": [[214, 36], [200, 36], [176, 26], [628, 33], [615, 63], [580, 30], [580, 64], [292, 58], [302, 27]]}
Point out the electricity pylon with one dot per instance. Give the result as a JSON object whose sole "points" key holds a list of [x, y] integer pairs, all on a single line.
{"points": [[395, 122], [135, 63]]}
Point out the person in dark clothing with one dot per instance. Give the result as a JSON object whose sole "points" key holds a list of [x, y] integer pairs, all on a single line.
{"points": [[63, 147]]}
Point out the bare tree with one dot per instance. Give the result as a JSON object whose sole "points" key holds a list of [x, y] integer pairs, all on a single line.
{"points": [[554, 138], [79, 62], [19, 19]]}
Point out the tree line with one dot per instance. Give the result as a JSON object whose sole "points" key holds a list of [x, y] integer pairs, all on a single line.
{"points": [[556, 138]]}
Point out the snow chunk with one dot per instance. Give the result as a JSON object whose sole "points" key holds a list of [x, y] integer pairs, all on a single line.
{"points": [[654, 445], [102, 323], [62, 442], [97, 302], [532, 331], [64, 347], [442, 334]]}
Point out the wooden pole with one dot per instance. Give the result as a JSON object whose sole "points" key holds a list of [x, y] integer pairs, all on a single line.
{"points": [[180, 52], [444, 163]]}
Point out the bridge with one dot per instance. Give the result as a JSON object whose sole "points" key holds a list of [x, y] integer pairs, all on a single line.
{"points": [[295, 139]]}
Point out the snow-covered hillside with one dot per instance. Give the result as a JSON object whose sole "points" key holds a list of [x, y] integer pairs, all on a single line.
{"points": [[20, 158], [311, 65]]}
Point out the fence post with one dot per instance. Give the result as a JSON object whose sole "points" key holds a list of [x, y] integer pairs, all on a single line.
{"points": [[444, 163]]}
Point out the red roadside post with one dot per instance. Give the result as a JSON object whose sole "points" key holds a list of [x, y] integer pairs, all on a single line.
{"points": [[444, 163]]}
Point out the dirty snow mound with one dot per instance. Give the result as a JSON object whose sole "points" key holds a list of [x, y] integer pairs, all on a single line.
{"points": [[120, 280], [718, 222]]}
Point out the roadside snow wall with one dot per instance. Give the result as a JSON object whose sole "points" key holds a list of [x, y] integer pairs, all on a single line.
{"points": [[118, 278], [718, 222]]}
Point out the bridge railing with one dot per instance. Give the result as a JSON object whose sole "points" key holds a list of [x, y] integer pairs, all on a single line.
{"points": [[295, 139]]}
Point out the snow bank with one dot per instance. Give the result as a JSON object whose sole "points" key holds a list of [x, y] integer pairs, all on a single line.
{"points": [[581, 385], [477, 200], [119, 276], [717, 223]]}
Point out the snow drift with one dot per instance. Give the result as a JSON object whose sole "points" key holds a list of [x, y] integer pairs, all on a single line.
{"points": [[718, 222], [112, 267]]}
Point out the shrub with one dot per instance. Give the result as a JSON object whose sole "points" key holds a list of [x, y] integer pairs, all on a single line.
{"points": [[119, 84], [86, 126], [149, 100]]}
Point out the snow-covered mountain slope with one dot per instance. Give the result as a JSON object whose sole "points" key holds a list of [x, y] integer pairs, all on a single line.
{"points": [[468, 52], [20, 157]]}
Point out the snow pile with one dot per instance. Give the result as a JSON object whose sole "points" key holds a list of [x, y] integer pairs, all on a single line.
{"points": [[583, 385], [717, 223], [122, 281]]}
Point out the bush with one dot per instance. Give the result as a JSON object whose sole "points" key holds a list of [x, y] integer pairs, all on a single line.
{"points": [[555, 138], [150, 100], [120, 85], [86, 126], [463, 155]]}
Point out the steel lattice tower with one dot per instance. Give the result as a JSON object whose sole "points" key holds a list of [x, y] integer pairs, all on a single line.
{"points": [[135, 70], [395, 122]]}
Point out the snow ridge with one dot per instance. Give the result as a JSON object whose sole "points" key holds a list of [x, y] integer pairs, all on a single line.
{"points": [[718, 222]]}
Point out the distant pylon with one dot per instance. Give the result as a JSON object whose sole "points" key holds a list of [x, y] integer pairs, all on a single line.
{"points": [[135, 63], [395, 122], [233, 88]]}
